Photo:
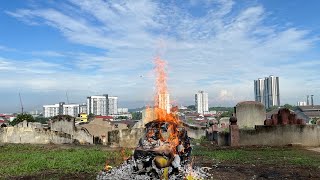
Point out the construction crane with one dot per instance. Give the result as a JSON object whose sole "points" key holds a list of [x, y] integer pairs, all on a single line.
{"points": [[21, 103]]}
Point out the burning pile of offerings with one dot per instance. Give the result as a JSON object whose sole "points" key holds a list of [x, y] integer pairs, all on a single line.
{"points": [[165, 149], [163, 153]]}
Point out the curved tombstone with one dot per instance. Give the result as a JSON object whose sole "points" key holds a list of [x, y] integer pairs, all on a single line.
{"points": [[250, 113]]}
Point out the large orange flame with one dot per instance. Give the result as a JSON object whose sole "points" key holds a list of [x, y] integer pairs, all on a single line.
{"points": [[162, 96], [162, 105]]}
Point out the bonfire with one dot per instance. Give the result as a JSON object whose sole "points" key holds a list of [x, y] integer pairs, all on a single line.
{"points": [[164, 151]]}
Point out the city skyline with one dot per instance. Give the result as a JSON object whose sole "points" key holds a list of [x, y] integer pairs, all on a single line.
{"points": [[267, 91], [86, 48]]}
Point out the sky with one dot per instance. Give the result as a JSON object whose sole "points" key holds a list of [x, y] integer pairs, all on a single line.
{"points": [[88, 47]]}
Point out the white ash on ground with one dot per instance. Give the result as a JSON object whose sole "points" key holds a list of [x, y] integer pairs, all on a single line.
{"points": [[126, 171]]}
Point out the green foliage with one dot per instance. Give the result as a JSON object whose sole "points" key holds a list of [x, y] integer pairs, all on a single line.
{"points": [[136, 115], [201, 141], [228, 111], [221, 109], [122, 117], [272, 108], [60, 117], [314, 120], [227, 114], [288, 106], [41, 119], [21, 117], [35, 159], [191, 107]]}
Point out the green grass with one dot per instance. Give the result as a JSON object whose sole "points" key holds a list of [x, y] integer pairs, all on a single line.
{"points": [[19, 160], [261, 155], [59, 160]]}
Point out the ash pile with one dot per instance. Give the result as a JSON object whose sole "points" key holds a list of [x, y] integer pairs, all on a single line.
{"points": [[163, 153]]}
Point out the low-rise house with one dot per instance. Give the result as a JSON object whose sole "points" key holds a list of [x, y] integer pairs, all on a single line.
{"points": [[308, 112]]}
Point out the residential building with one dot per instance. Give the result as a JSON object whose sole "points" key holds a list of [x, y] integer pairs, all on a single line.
{"points": [[98, 105], [308, 112], [259, 90], [102, 105], [267, 92], [71, 109], [51, 110], [83, 108], [61, 109], [123, 110], [201, 102], [3, 120], [113, 105], [301, 103], [164, 102]]}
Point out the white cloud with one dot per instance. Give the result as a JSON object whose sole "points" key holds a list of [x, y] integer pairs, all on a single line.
{"points": [[221, 52], [4, 48]]}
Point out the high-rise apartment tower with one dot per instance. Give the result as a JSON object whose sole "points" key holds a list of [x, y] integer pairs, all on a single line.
{"points": [[267, 92], [201, 102]]}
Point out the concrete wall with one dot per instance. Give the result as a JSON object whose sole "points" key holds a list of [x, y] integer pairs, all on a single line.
{"points": [[80, 135], [127, 138], [250, 113], [306, 135], [66, 126], [32, 136], [83, 136], [195, 132], [33, 133], [220, 138]]}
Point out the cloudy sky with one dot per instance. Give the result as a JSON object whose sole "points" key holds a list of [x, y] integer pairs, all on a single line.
{"points": [[89, 47]]}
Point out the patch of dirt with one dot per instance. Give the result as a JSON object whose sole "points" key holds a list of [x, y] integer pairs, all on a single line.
{"points": [[263, 172], [231, 171]]}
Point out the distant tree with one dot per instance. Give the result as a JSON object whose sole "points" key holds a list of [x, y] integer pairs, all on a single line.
{"points": [[122, 117], [221, 109], [21, 118], [41, 119], [192, 107], [227, 113], [288, 106], [60, 117], [136, 115], [272, 108]]}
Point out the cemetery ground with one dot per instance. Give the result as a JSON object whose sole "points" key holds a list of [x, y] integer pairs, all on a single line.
{"points": [[19, 161]]}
